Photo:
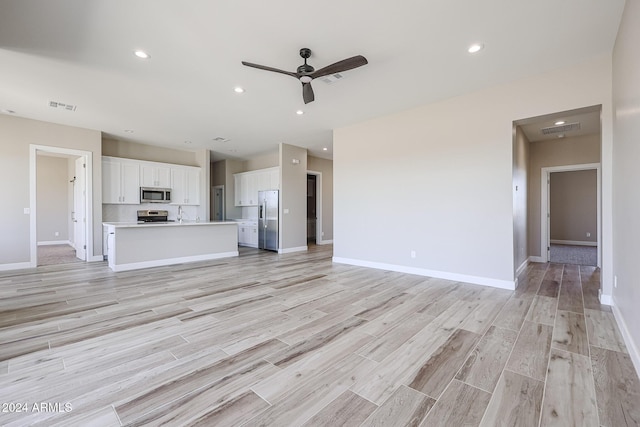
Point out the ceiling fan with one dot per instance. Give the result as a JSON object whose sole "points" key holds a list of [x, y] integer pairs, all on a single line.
{"points": [[305, 73]]}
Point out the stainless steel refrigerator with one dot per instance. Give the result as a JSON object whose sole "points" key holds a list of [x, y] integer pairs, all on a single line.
{"points": [[268, 220]]}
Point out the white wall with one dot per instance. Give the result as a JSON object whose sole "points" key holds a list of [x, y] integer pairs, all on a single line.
{"points": [[16, 137], [626, 154], [437, 179]]}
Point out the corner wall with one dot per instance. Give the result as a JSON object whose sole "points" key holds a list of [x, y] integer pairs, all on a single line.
{"points": [[293, 199], [626, 197], [435, 181]]}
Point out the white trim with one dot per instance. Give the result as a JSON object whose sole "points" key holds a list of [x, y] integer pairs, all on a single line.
{"points": [[632, 348], [544, 205], [604, 299], [536, 259], [171, 261], [574, 242], [95, 258], [88, 159], [16, 266], [485, 281], [55, 242], [325, 242], [520, 269], [296, 249]]}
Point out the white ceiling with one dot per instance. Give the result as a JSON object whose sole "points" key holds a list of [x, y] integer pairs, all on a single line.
{"points": [[80, 52]]}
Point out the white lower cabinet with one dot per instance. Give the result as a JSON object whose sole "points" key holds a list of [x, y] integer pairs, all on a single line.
{"points": [[248, 233]]}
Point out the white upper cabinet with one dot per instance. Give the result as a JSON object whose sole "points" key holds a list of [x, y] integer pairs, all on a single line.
{"points": [[120, 181], [185, 186], [248, 184], [155, 176]]}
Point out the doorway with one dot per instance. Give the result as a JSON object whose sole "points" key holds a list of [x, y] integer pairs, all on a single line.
{"points": [[570, 202], [312, 218], [217, 203], [73, 210]]}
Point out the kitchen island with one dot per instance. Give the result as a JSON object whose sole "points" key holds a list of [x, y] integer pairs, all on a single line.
{"points": [[133, 245]]}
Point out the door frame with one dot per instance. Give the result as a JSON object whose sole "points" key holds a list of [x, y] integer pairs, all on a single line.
{"points": [[545, 229], [33, 208], [318, 176]]}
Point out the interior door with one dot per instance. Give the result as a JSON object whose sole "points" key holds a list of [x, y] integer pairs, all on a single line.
{"points": [[79, 215], [217, 208]]}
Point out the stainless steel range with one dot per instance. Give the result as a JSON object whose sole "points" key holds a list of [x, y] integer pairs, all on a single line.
{"points": [[153, 216]]}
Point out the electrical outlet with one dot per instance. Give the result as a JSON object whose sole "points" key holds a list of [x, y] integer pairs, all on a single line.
{"points": [[615, 281], [588, 234], [57, 233], [413, 254]]}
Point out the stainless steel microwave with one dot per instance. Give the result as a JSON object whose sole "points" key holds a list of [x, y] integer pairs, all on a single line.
{"points": [[155, 195]]}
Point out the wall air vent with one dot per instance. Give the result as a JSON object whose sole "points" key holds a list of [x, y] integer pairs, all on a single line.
{"points": [[552, 130], [62, 106], [331, 78]]}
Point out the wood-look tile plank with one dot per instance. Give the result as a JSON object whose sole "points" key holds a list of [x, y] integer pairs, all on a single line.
{"points": [[550, 285], [485, 363], [570, 296], [543, 310], [617, 388], [590, 280], [570, 333], [569, 398], [603, 331], [515, 402], [233, 413], [482, 318], [346, 409], [513, 313], [531, 351], [460, 405], [438, 371], [405, 407]]}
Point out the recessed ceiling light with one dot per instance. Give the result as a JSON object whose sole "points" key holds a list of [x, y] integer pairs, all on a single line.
{"points": [[324, 149], [475, 48], [559, 122], [299, 112], [142, 54], [238, 89], [187, 142], [561, 135], [128, 130]]}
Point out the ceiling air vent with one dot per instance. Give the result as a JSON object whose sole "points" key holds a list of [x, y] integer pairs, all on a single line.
{"points": [[551, 130], [63, 106], [332, 78]]}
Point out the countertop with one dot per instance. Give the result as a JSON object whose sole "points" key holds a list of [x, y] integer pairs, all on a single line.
{"points": [[132, 224]]}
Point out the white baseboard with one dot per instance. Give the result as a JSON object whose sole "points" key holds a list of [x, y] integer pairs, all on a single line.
{"points": [[324, 242], [16, 266], [54, 242], [171, 261], [290, 250], [96, 258], [537, 259], [632, 348], [573, 242], [605, 299], [485, 281], [520, 269]]}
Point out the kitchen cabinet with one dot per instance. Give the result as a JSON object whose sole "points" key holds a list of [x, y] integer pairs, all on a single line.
{"points": [[120, 181], [185, 186], [152, 175], [248, 233], [248, 184]]}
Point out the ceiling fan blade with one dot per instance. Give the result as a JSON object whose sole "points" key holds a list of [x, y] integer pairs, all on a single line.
{"points": [[307, 93], [264, 67], [338, 67]]}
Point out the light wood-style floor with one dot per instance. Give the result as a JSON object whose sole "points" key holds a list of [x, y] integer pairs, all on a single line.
{"points": [[280, 340]]}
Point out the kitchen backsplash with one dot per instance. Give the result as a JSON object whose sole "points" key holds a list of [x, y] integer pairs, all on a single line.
{"points": [[126, 213]]}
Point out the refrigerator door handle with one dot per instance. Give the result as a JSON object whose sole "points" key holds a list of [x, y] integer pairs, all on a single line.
{"points": [[264, 207]]}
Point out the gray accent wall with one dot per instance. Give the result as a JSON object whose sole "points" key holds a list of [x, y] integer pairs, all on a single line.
{"points": [[53, 199], [325, 167], [574, 206], [293, 197], [626, 154]]}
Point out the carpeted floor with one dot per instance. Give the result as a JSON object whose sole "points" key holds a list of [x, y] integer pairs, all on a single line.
{"points": [[569, 254], [56, 254]]}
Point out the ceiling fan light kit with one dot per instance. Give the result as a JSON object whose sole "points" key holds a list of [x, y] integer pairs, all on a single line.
{"points": [[306, 73]]}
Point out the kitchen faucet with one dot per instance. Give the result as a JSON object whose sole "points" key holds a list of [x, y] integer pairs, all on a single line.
{"points": [[180, 213]]}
